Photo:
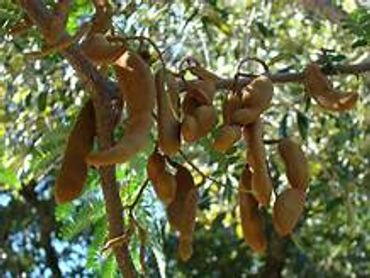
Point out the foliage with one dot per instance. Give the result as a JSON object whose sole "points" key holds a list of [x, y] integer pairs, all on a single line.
{"points": [[39, 101]]}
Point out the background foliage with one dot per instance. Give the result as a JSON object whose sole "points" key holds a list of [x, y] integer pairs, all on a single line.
{"points": [[40, 100]]}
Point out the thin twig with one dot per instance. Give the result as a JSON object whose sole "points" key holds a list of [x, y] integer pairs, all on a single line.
{"points": [[137, 198], [200, 172]]}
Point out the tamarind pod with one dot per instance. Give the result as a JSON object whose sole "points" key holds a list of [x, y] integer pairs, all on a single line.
{"points": [[102, 20], [250, 216], [321, 89], [155, 166], [204, 74], [181, 211], [189, 104], [21, 27], [296, 164], [256, 156], [164, 183], [72, 175], [203, 91], [287, 210], [100, 51], [206, 118], [137, 84], [185, 248], [168, 126], [190, 128], [226, 138], [245, 116], [230, 105], [258, 93]]}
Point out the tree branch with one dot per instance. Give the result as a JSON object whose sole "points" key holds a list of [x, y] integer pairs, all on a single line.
{"points": [[104, 94]]}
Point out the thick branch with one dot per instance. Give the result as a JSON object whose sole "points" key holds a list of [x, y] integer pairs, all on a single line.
{"points": [[104, 95]]}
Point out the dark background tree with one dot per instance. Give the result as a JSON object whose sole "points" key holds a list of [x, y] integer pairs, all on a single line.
{"points": [[41, 98]]}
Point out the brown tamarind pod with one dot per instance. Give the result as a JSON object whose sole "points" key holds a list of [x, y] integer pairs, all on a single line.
{"points": [[250, 216], [102, 20], [190, 128], [173, 90], [295, 163], [164, 183], [100, 51], [321, 89], [189, 104], [137, 85], [168, 126], [181, 212], [185, 248], [202, 90], [245, 116], [256, 156], [287, 210], [206, 118], [258, 93], [227, 137], [73, 173], [230, 105]]}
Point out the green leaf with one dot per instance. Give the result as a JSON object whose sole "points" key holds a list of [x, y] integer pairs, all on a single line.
{"points": [[303, 124], [359, 42], [283, 126], [8, 178]]}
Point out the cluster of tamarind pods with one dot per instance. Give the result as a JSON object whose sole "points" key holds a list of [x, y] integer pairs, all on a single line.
{"points": [[189, 118]]}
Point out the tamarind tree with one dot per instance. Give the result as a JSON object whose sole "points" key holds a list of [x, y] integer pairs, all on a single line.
{"points": [[154, 138]]}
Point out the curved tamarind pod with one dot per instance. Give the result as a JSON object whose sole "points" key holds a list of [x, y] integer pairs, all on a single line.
{"points": [[72, 175], [250, 215], [256, 156], [288, 208], [258, 93], [202, 90], [226, 138], [190, 128], [100, 51], [137, 84], [102, 20], [295, 163], [230, 105], [173, 90], [164, 183], [206, 118], [168, 126], [189, 104], [321, 89], [245, 116], [185, 248], [181, 212]]}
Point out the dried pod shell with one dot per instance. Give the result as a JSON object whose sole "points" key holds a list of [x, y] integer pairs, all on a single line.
{"points": [[321, 89], [97, 49], [164, 183], [190, 129], [251, 218], [295, 163], [168, 126], [72, 176], [230, 105], [181, 212], [256, 156], [185, 248], [203, 73], [227, 136], [258, 93], [206, 117], [245, 116], [137, 84], [203, 91], [287, 210]]}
